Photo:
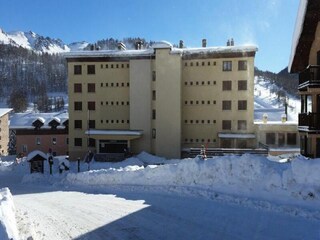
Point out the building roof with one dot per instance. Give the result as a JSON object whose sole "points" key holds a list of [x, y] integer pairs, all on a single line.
{"points": [[217, 51], [304, 34], [4, 111], [26, 120]]}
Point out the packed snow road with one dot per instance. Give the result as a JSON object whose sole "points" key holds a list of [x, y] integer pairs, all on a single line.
{"points": [[146, 215]]}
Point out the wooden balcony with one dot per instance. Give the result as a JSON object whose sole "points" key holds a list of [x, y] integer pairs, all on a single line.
{"points": [[309, 122], [309, 78]]}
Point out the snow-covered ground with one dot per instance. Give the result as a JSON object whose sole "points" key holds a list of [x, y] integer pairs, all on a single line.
{"points": [[229, 197]]}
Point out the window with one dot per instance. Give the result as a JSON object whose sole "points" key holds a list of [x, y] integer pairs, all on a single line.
{"points": [[92, 124], [77, 87], [91, 105], [281, 139], [78, 142], [38, 141], [270, 138], [226, 124], [77, 69], [24, 148], [78, 124], [226, 85], [154, 133], [242, 105], [226, 143], [153, 75], [242, 125], [227, 66], [153, 114], [242, 65], [291, 138], [153, 95], [77, 106], [92, 142], [241, 143], [226, 105], [91, 69], [242, 85], [91, 87], [54, 141]]}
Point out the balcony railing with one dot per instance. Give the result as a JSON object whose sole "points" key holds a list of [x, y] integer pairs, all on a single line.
{"points": [[309, 121], [310, 77]]}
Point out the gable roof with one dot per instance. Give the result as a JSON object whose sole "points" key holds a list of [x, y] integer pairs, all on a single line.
{"points": [[304, 34]]}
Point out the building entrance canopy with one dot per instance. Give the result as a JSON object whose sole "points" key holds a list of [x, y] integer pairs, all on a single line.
{"points": [[114, 134], [237, 136]]}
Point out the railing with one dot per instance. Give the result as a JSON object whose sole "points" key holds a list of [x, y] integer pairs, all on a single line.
{"points": [[210, 152], [310, 77], [309, 121]]}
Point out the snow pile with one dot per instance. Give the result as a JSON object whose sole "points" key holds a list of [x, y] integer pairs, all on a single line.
{"points": [[149, 159], [8, 225], [5, 166], [245, 175]]}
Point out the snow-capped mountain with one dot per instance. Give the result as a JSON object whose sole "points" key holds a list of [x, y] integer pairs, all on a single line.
{"points": [[38, 43], [78, 46]]}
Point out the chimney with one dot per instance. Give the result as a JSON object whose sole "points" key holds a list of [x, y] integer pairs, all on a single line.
{"points": [[232, 42], [181, 44], [139, 45], [121, 46], [228, 42], [204, 43]]}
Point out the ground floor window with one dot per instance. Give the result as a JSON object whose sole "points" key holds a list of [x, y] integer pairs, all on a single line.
{"points": [[226, 143], [270, 138], [291, 138]]}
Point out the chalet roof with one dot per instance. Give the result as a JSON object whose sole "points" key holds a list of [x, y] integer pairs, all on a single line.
{"points": [[4, 111], [304, 34], [38, 155], [26, 120]]}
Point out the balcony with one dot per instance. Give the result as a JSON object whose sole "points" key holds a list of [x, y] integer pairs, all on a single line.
{"points": [[309, 77], [309, 122]]}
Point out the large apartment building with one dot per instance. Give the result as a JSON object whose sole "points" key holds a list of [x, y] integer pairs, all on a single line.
{"points": [[305, 60], [162, 99]]}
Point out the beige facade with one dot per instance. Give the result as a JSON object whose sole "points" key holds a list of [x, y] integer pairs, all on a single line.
{"points": [[4, 130], [162, 100]]}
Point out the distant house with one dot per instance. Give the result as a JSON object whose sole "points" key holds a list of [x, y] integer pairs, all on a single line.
{"points": [[4, 130], [47, 132], [305, 60]]}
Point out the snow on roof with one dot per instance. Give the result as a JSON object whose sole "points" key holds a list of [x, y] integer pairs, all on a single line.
{"points": [[25, 120], [110, 53], [293, 123], [35, 153], [41, 119], [162, 44], [58, 120], [236, 135], [114, 132], [298, 30], [4, 111], [222, 49]]}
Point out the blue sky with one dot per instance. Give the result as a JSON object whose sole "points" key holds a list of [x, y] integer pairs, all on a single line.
{"points": [[266, 23]]}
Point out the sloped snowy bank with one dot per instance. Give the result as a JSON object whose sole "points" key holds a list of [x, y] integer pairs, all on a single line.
{"points": [[245, 175], [8, 225]]}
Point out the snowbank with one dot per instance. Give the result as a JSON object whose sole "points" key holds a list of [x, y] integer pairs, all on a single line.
{"points": [[8, 225], [244, 175]]}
